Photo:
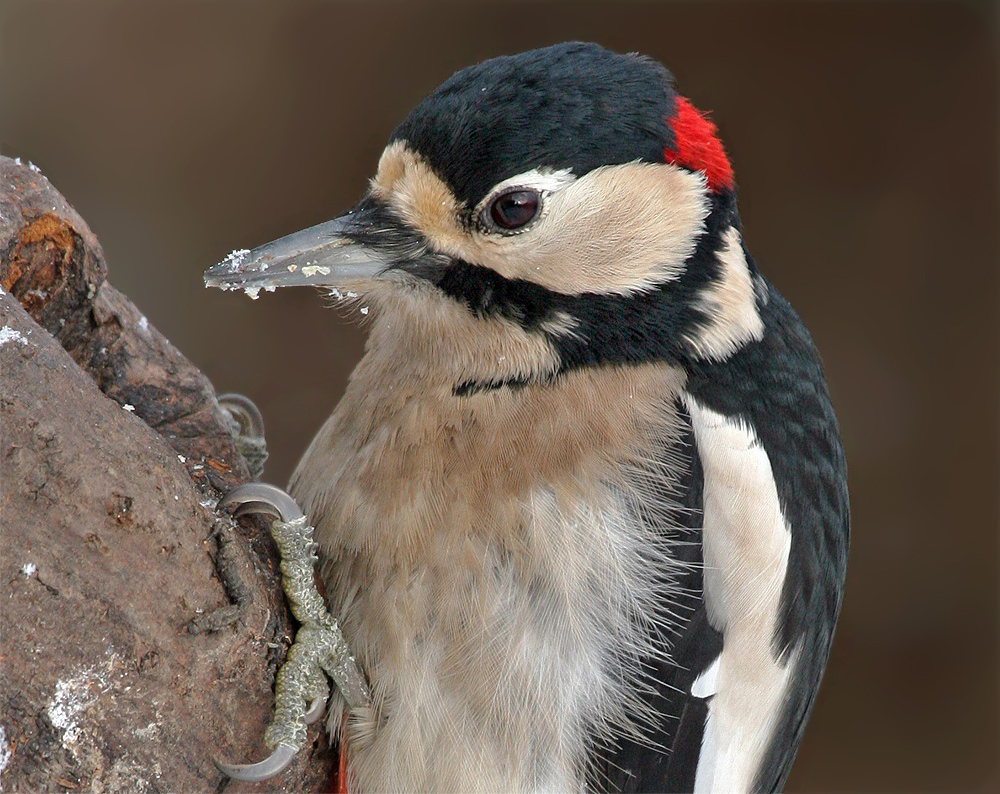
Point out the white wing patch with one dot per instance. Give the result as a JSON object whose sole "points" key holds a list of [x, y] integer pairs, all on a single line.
{"points": [[705, 685], [746, 544]]}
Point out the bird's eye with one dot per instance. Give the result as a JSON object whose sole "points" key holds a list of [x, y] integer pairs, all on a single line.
{"points": [[514, 209]]}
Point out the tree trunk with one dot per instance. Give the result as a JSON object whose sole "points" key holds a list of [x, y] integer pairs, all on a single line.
{"points": [[140, 631]]}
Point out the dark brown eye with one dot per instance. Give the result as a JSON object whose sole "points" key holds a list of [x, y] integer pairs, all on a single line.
{"points": [[514, 209]]}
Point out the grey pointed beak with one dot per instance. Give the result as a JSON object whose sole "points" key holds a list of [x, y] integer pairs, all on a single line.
{"points": [[348, 251], [321, 256]]}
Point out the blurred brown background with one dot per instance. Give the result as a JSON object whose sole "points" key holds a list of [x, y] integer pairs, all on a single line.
{"points": [[864, 138]]}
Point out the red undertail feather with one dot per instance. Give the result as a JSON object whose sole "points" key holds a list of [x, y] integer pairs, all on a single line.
{"points": [[696, 146]]}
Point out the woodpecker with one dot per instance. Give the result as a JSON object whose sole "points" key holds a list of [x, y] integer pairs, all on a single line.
{"points": [[582, 512]]}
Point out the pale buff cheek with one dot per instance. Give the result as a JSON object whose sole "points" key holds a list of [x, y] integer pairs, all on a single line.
{"points": [[619, 229]]}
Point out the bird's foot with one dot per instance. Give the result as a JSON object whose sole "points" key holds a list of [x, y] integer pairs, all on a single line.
{"points": [[319, 648], [247, 429]]}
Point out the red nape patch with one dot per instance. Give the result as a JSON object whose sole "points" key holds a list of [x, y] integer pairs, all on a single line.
{"points": [[696, 146]]}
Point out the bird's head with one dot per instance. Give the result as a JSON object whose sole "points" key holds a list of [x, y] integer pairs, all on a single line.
{"points": [[538, 213]]}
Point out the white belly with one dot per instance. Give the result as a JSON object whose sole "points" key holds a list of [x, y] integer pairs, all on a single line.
{"points": [[501, 661]]}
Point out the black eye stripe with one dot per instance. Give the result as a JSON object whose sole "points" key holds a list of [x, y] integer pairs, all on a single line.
{"points": [[513, 209]]}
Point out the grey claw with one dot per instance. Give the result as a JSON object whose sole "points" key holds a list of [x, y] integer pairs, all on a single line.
{"points": [[316, 709], [258, 497], [247, 430], [245, 414], [262, 770]]}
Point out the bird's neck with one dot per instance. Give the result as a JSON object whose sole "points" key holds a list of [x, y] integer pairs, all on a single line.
{"points": [[402, 450]]}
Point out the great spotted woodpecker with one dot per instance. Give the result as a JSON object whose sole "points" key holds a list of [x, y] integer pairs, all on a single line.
{"points": [[582, 512]]}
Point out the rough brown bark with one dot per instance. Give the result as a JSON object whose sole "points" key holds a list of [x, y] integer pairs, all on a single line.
{"points": [[140, 631]]}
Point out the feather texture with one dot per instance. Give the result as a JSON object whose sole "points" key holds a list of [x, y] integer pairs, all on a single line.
{"points": [[498, 565]]}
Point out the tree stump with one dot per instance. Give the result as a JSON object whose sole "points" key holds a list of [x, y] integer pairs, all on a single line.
{"points": [[140, 630]]}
